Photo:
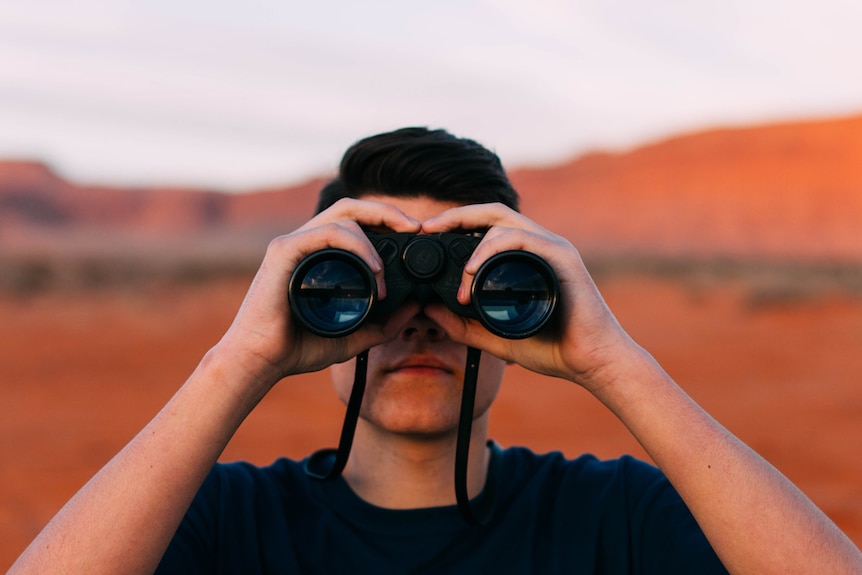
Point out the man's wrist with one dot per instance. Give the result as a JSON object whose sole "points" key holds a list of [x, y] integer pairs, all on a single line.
{"points": [[248, 378], [629, 367]]}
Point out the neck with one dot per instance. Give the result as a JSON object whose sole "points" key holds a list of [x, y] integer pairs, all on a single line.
{"points": [[411, 472]]}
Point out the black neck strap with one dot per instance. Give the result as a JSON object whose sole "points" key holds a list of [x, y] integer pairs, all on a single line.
{"points": [[462, 449], [318, 465]]}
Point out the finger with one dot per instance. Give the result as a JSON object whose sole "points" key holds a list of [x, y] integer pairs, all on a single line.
{"points": [[366, 213], [477, 217], [469, 332], [499, 240], [318, 352], [535, 353], [375, 333], [345, 235]]}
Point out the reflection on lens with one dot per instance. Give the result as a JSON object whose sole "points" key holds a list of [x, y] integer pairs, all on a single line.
{"points": [[332, 296], [515, 296]]}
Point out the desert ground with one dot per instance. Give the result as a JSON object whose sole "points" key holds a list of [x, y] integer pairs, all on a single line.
{"points": [[82, 370]]}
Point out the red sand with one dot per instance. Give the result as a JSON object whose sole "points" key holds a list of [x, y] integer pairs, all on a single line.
{"points": [[80, 375]]}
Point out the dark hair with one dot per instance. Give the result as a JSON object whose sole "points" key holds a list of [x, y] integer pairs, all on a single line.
{"points": [[413, 162]]}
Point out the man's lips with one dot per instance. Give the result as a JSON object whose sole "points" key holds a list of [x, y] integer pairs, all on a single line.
{"points": [[420, 363]]}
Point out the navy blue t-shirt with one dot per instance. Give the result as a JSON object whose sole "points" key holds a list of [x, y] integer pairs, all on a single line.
{"points": [[552, 515]]}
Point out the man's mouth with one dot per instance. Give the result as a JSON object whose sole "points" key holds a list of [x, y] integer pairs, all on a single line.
{"points": [[421, 364]]}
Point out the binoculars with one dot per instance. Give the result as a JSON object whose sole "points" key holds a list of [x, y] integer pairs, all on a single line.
{"points": [[332, 292]]}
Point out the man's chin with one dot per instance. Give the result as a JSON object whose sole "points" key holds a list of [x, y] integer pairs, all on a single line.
{"points": [[421, 429]]}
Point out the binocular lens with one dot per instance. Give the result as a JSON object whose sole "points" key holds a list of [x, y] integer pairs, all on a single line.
{"points": [[515, 294], [332, 293]]}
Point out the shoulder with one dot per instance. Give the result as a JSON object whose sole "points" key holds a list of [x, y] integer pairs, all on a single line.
{"points": [[243, 471], [599, 508], [240, 519], [585, 469], [625, 487], [242, 485], [236, 495]]}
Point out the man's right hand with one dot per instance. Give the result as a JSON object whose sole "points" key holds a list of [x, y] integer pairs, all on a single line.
{"points": [[265, 340]]}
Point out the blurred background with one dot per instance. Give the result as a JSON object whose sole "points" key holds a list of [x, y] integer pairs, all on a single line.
{"points": [[706, 160]]}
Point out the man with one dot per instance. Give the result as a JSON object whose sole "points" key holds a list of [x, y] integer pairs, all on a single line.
{"points": [[394, 510]]}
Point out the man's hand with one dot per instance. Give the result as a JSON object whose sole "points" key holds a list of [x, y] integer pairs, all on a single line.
{"points": [[265, 339], [584, 341]]}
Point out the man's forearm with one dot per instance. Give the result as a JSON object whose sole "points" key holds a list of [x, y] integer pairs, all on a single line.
{"points": [[756, 519], [122, 520]]}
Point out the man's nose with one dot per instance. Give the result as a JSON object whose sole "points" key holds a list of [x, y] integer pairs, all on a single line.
{"points": [[421, 326]]}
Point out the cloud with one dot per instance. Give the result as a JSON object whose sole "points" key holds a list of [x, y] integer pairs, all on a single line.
{"points": [[234, 96]]}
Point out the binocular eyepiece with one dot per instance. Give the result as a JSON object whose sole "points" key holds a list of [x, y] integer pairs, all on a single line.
{"points": [[332, 292]]}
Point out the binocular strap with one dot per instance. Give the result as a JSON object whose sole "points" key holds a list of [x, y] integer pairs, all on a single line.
{"points": [[317, 466], [462, 450]]}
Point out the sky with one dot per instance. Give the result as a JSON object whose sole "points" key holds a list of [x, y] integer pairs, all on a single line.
{"points": [[244, 95]]}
